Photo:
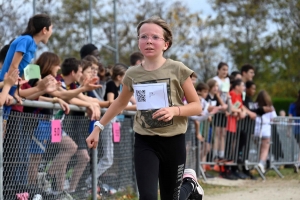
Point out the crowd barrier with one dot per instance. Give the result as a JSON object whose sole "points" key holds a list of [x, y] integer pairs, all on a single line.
{"points": [[243, 147], [33, 164]]}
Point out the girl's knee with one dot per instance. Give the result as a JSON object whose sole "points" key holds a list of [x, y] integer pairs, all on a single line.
{"points": [[83, 156]]}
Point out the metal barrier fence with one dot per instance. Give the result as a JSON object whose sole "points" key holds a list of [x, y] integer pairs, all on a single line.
{"points": [[31, 165], [241, 143]]}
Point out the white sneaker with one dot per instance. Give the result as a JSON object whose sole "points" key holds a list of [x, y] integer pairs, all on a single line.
{"points": [[198, 192], [261, 167]]}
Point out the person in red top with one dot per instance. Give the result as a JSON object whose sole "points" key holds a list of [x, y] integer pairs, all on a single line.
{"points": [[237, 112]]}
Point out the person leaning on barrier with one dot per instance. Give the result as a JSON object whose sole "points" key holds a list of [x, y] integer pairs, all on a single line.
{"points": [[21, 51], [253, 110], [96, 67], [219, 120], [208, 110], [263, 127]]}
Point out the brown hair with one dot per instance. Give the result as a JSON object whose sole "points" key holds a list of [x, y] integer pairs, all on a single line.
{"points": [[211, 83], [118, 70], [85, 64], [263, 99], [202, 86], [168, 36], [47, 61]]}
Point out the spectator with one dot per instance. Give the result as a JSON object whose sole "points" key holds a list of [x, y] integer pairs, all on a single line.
{"points": [[22, 49], [89, 49], [294, 111], [247, 126], [231, 136], [202, 91], [112, 92], [263, 128], [247, 72], [136, 58], [96, 69], [219, 120]]}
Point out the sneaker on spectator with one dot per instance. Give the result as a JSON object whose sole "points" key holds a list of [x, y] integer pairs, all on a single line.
{"points": [[296, 168], [240, 174], [250, 176], [197, 193], [228, 175], [261, 167]]}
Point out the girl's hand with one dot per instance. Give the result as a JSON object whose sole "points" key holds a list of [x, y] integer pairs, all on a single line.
{"points": [[164, 114], [11, 77], [9, 100], [64, 106], [93, 138]]}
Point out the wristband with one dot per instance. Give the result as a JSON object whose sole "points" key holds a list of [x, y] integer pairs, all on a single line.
{"points": [[97, 123]]}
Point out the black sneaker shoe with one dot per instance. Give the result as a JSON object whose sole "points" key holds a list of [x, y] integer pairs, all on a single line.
{"points": [[228, 175], [250, 176], [240, 175]]}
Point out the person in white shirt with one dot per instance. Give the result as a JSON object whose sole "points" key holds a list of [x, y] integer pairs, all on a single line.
{"points": [[263, 127]]}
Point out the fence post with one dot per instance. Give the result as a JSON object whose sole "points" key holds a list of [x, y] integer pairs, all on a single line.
{"points": [[1, 153], [94, 173]]}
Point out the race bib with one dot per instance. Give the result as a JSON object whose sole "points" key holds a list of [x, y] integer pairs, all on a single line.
{"points": [[151, 96]]}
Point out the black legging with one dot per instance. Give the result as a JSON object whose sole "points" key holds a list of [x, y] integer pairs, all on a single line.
{"points": [[161, 159]]}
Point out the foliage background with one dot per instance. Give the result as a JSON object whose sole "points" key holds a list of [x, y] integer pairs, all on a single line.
{"points": [[264, 33]]}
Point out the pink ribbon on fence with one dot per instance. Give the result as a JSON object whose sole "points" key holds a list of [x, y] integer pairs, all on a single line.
{"points": [[23, 196]]}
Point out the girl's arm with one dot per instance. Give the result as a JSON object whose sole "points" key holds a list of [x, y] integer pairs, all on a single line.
{"points": [[114, 109], [16, 61], [4, 94], [61, 102]]}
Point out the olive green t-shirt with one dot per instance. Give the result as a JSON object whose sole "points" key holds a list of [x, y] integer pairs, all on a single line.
{"points": [[174, 74]]}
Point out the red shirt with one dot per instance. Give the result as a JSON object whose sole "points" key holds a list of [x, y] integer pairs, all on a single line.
{"points": [[237, 102]]}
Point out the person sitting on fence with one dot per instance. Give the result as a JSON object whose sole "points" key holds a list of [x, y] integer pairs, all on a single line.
{"points": [[263, 128], [294, 111], [213, 98], [202, 120]]}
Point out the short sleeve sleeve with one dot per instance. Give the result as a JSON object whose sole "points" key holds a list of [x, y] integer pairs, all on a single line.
{"points": [[22, 45], [185, 73], [128, 81]]}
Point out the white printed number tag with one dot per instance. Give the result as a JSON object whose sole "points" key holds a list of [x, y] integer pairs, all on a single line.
{"points": [[151, 96]]}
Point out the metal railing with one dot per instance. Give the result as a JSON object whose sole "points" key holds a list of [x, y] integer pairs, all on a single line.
{"points": [[30, 164]]}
